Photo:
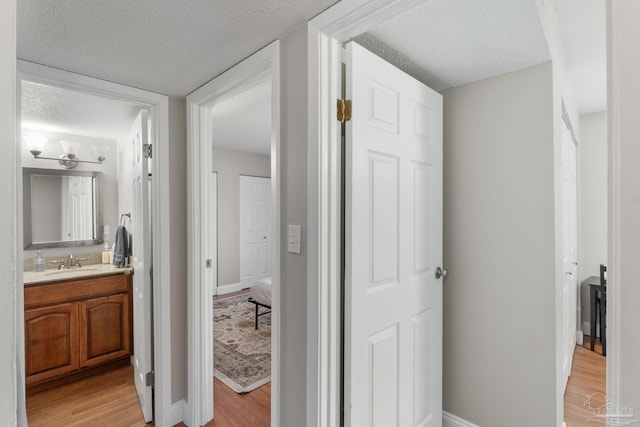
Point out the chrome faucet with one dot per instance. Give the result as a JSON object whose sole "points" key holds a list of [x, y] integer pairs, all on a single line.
{"points": [[61, 263], [70, 262]]}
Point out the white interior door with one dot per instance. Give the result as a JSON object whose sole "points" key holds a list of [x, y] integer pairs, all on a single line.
{"points": [[141, 261], [570, 250], [78, 208], [393, 301], [255, 229]]}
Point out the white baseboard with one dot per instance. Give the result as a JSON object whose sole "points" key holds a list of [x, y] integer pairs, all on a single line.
{"points": [[227, 289], [579, 337], [178, 412], [450, 420]]}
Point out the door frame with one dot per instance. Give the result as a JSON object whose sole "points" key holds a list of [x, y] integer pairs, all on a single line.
{"points": [[326, 33], [159, 112], [262, 65]]}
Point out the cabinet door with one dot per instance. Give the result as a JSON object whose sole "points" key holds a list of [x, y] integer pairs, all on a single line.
{"points": [[51, 341], [105, 329]]}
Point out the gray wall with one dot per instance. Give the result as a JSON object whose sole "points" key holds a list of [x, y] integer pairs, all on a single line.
{"points": [[293, 193], [8, 250], [499, 298], [624, 110], [46, 223], [178, 236], [230, 165]]}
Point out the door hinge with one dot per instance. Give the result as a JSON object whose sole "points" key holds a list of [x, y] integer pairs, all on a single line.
{"points": [[344, 110], [146, 151], [150, 379]]}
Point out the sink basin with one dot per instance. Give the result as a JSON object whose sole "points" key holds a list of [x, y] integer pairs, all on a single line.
{"points": [[71, 271]]}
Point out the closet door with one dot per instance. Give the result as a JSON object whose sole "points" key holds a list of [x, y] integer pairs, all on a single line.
{"points": [[255, 229]]}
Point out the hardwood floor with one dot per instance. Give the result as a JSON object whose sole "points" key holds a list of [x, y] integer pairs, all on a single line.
{"points": [[109, 399], [588, 376], [106, 399], [239, 410]]}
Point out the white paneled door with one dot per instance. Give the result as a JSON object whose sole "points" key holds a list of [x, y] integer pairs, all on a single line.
{"points": [[393, 300], [255, 229], [141, 262]]}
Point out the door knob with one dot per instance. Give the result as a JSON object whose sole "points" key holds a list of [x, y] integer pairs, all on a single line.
{"points": [[441, 273], [569, 273]]}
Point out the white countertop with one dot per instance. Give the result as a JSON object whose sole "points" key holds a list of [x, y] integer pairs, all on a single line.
{"points": [[51, 275]]}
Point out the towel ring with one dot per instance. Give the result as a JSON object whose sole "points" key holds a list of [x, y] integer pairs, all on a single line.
{"points": [[123, 218]]}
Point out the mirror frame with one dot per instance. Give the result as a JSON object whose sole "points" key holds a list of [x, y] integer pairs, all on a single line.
{"points": [[26, 197]]}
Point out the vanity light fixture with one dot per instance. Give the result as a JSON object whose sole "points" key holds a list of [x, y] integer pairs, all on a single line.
{"points": [[69, 159]]}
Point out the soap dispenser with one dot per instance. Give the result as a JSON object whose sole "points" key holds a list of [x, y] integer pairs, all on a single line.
{"points": [[39, 263]]}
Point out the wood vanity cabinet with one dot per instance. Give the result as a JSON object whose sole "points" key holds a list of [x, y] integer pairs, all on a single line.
{"points": [[73, 325]]}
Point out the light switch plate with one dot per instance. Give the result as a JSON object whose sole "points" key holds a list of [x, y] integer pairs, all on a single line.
{"points": [[293, 240]]}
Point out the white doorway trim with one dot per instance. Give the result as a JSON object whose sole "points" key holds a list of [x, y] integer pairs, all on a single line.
{"points": [[213, 216], [159, 112], [263, 65], [326, 33]]}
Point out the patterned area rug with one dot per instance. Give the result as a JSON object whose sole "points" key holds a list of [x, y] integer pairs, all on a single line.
{"points": [[242, 355]]}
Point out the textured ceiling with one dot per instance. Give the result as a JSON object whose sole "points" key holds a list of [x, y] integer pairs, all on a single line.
{"points": [[174, 47], [583, 28], [243, 122], [450, 43], [166, 46], [49, 109]]}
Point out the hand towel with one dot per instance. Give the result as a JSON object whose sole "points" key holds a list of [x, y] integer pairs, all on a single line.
{"points": [[120, 251]]}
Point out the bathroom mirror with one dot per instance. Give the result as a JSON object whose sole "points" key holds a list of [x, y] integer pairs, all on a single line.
{"points": [[62, 208]]}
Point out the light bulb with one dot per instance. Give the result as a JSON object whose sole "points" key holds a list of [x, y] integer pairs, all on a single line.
{"points": [[70, 147], [35, 144], [100, 151]]}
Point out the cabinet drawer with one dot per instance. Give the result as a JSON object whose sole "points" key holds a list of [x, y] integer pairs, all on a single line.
{"points": [[43, 294]]}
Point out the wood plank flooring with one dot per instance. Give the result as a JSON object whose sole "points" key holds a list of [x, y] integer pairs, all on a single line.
{"points": [[231, 409], [588, 376], [107, 399]]}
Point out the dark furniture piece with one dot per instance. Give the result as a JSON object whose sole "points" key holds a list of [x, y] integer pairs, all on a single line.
{"points": [[252, 301], [598, 301]]}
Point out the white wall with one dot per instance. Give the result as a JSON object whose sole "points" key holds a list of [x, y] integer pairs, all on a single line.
{"points": [[230, 165], [592, 193], [9, 396], [178, 233], [623, 296], [592, 201], [293, 193], [499, 298], [563, 102]]}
